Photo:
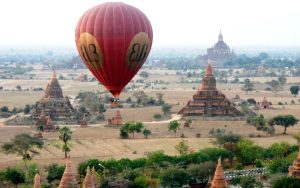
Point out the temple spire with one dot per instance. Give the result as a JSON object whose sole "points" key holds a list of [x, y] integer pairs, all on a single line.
{"points": [[88, 180], [37, 181], [220, 38], [68, 179], [294, 170], [94, 177], [208, 70], [219, 177]]}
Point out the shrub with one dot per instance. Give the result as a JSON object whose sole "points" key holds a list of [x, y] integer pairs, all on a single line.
{"points": [[239, 166], [258, 163], [286, 182], [140, 182], [55, 172], [157, 116]]}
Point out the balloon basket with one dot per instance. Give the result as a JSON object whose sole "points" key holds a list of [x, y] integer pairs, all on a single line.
{"points": [[115, 103]]}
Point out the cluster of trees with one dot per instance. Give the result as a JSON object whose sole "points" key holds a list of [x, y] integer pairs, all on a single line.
{"points": [[142, 99], [132, 127], [263, 124]]}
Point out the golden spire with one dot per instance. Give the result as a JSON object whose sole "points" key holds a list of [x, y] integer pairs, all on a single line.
{"points": [[88, 180], [37, 181], [219, 177], [68, 179], [208, 70], [94, 177]]}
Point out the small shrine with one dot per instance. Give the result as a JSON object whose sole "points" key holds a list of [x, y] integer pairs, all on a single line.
{"points": [[264, 104], [219, 177], [116, 120], [294, 170], [83, 122], [68, 179]]}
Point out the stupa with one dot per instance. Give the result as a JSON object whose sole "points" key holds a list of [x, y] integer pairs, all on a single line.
{"points": [[294, 170], [88, 180], [116, 120], [42, 119], [264, 104], [53, 102], [68, 179], [37, 181], [94, 177], [209, 100], [219, 177], [49, 126]]}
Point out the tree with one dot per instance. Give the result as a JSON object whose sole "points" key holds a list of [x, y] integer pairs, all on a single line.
{"points": [[275, 86], [144, 74], [251, 101], [174, 177], [4, 109], [160, 99], [166, 108], [174, 126], [284, 120], [26, 109], [18, 87], [101, 108], [65, 135], [146, 132], [182, 147], [23, 145], [55, 172], [247, 152], [15, 176], [141, 97], [294, 90], [286, 182], [248, 86], [282, 80], [131, 127], [229, 142]]}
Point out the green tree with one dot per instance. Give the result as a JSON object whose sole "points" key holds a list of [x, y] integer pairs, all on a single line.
{"points": [[275, 86], [54, 172], [182, 147], [247, 152], [174, 177], [284, 120], [23, 145], [282, 80], [4, 109], [201, 171], [286, 182], [132, 127], [65, 135], [146, 132], [102, 108], [144, 74], [18, 87], [26, 109], [141, 97], [248, 86], [229, 142], [249, 182], [294, 90], [15, 176], [160, 99], [174, 126], [140, 182], [166, 108]]}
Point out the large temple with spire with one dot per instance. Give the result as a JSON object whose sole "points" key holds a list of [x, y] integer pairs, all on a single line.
{"points": [[209, 100], [53, 103], [219, 53]]}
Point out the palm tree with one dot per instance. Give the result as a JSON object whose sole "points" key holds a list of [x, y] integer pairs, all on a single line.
{"points": [[65, 136]]}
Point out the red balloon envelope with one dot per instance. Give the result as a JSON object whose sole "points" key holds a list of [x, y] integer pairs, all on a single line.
{"points": [[114, 40]]}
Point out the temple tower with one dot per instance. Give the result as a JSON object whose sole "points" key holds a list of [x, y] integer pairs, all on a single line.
{"points": [[94, 177], [209, 100], [294, 170], [68, 179], [83, 122], [219, 177], [49, 126], [116, 120], [88, 180], [37, 181]]}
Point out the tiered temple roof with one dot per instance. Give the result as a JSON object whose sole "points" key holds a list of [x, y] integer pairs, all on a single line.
{"points": [[68, 179], [116, 120], [37, 181], [53, 102], [219, 177], [209, 100], [83, 121], [294, 170]]}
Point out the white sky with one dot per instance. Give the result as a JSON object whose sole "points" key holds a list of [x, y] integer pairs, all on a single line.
{"points": [[174, 22]]}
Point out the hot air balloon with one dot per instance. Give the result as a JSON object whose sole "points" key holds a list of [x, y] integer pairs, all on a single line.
{"points": [[114, 40]]}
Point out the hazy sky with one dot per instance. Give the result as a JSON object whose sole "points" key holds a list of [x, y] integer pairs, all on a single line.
{"points": [[174, 22]]}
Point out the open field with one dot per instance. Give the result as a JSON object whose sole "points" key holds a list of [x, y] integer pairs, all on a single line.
{"points": [[104, 142]]}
